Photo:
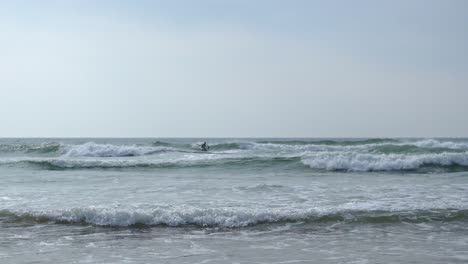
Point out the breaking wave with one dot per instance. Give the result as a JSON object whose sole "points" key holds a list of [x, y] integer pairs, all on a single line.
{"points": [[432, 143], [352, 161], [423, 155], [92, 149], [225, 217], [327, 160]]}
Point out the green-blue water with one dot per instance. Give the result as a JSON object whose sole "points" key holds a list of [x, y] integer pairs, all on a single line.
{"points": [[242, 201]]}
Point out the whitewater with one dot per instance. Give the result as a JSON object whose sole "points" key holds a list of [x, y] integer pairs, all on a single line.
{"points": [[143, 200]]}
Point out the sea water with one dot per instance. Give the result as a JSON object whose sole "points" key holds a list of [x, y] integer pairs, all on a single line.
{"points": [[242, 201]]}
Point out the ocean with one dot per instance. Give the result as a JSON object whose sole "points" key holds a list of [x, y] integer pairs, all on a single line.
{"points": [[163, 200]]}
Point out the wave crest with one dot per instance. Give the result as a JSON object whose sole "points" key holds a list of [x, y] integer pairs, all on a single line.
{"points": [[225, 217], [92, 149], [432, 143], [352, 161]]}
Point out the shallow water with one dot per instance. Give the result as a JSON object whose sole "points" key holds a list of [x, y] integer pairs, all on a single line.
{"points": [[244, 201]]}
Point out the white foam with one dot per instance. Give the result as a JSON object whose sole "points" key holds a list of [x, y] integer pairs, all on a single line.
{"points": [[92, 149], [176, 216], [426, 143], [352, 161], [432, 143], [184, 215], [99, 163]]}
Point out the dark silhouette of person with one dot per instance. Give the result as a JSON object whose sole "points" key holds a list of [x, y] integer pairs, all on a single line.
{"points": [[204, 147]]}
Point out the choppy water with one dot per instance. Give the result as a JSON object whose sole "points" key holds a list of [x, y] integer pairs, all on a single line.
{"points": [[243, 201]]}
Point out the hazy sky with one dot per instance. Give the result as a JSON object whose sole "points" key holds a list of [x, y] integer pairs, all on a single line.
{"points": [[234, 68]]}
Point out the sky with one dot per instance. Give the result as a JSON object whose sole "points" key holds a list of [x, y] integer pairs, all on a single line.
{"points": [[234, 68]]}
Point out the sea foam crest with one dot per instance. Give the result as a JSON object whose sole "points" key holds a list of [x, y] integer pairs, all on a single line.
{"points": [[176, 216], [432, 143], [228, 217], [92, 149], [353, 161]]}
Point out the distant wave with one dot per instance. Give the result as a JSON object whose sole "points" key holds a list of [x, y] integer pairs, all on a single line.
{"points": [[212, 146], [410, 149], [386, 146], [43, 148], [92, 149], [352, 161], [424, 155], [246, 145], [161, 144], [398, 145], [432, 143], [226, 217], [325, 160], [231, 146], [331, 142]]}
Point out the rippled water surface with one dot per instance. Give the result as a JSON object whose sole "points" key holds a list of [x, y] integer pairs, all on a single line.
{"points": [[243, 201]]}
